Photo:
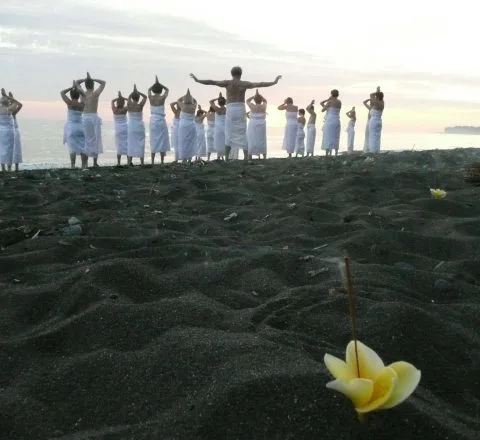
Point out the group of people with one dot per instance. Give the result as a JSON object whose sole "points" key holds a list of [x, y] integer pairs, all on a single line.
{"points": [[227, 130]]}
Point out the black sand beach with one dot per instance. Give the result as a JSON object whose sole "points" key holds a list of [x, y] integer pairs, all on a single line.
{"points": [[154, 317]]}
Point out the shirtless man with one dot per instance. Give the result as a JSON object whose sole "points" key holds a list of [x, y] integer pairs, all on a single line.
{"points": [[7, 129], [311, 128], [91, 120], [159, 139], [74, 134], [136, 126], [236, 121], [331, 126]]}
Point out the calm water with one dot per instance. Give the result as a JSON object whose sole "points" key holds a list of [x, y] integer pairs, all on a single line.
{"points": [[42, 142]]}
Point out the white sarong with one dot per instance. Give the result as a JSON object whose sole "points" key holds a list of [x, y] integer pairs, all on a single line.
{"points": [[219, 137], [290, 134], [17, 147], [7, 139], [187, 136], [174, 135], [311, 135], [74, 132], [365, 142], [300, 142], [92, 125], [201, 144], [211, 136], [159, 140], [136, 135], [121, 134], [257, 134], [374, 131], [350, 135], [236, 128], [331, 129]]}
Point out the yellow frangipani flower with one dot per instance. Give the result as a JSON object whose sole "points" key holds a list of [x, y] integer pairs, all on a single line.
{"points": [[377, 387], [438, 193]]}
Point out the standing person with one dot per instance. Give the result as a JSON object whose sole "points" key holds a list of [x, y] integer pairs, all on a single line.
{"points": [[365, 142], [311, 128], [257, 126], [136, 127], [219, 135], [375, 106], [352, 115], [331, 126], [187, 133], [236, 121], [17, 146], [201, 144], [159, 140], [210, 131], [174, 127], [119, 110], [300, 142], [73, 132], [7, 130], [291, 126], [91, 121]]}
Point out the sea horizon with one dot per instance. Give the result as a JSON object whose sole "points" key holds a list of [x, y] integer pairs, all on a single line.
{"points": [[42, 142]]}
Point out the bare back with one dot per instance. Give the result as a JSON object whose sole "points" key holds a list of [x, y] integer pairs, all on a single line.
{"points": [[335, 103], [301, 120], [236, 89], [119, 111], [258, 108], [312, 119], [188, 107], [134, 107], [290, 108], [157, 100], [220, 109], [91, 101], [378, 105], [76, 105], [6, 110]]}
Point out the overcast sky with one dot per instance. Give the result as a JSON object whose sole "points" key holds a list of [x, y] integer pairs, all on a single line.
{"points": [[423, 54]]}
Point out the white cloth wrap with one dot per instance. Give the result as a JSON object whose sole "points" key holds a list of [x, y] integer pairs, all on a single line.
{"points": [[201, 143], [174, 135], [17, 146], [374, 131], [159, 140], [311, 135], [187, 137], [7, 139], [121, 134], [92, 125], [74, 132], [136, 135], [290, 133], [300, 142], [257, 134], [236, 128], [365, 142], [210, 136], [350, 134], [331, 129], [219, 137]]}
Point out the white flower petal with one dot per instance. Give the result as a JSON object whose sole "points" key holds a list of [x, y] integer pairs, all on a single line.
{"points": [[337, 368], [359, 391], [408, 379], [370, 363]]}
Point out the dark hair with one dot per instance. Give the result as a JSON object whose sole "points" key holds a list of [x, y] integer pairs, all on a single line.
{"points": [[74, 94], [200, 112], [120, 102], [157, 88], [379, 96], [301, 111], [236, 71], [334, 93], [289, 100], [258, 99], [211, 109], [89, 83], [135, 96], [222, 101]]}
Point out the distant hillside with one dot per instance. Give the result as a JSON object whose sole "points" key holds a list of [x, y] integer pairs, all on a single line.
{"points": [[460, 129]]}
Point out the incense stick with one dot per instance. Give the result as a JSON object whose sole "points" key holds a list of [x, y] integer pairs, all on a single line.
{"points": [[351, 303]]}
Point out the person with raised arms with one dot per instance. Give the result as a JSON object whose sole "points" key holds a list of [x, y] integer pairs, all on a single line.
{"points": [[159, 140], [136, 126], [119, 110]]}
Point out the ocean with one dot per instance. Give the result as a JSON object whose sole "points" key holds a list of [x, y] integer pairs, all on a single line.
{"points": [[43, 148]]}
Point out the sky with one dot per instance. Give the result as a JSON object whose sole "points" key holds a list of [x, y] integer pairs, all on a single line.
{"points": [[422, 54]]}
